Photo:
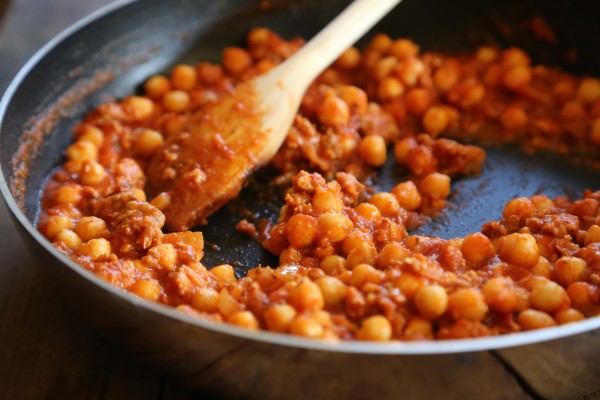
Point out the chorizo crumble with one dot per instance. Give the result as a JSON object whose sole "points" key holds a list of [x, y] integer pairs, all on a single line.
{"points": [[348, 268]]}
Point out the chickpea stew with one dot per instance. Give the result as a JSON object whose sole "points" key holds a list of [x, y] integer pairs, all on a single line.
{"points": [[348, 267]]}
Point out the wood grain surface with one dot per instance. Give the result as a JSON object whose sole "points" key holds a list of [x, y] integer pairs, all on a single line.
{"points": [[47, 353]]}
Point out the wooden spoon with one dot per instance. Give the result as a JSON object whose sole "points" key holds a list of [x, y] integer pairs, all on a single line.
{"points": [[198, 170]]}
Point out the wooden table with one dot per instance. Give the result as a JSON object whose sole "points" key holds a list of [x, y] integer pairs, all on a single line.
{"points": [[45, 352]]}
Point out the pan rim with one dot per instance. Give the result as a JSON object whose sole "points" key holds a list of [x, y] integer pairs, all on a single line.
{"points": [[359, 347]]}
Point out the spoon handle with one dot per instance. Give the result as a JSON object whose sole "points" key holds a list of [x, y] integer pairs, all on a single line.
{"points": [[336, 37]]}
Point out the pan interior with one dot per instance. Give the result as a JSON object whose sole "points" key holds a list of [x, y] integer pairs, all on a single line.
{"points": [[165, 33]]}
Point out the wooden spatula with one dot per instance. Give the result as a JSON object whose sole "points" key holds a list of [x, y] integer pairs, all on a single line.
{"points": [[197, 171]]}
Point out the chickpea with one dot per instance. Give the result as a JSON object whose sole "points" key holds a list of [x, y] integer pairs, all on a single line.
{"points": [[147, 142], [514, 119], [209, 73], [595, 131], [435, 120], [372, 149], [370, 58], [176, 101], [568, 315], [365, 253], [92, 173], [184, 77], [148, 289], [581, 294], [157, 86], [92, 134], [350, 59], [355, 239], [467, 303], [68, 194], [389, 88], [173, 125], [418, 101], [334, 226], [206, 299], [236, 60], [589, 90], [380, 43], [306, 326], [327, 201], [486, 54], [90, 228], [500, 294], [436, 186], [409, 284], [534, 319], [244, 319], [331, 77], [386, 203], [384, 67], [593, 235], [290, 256], [445, 78], [477, 248], [322, 316], [392, 253], [224, 274], [69, 238], [402, 149], [431, 301], [542, 203], [545, 246], [82, 150], [162, 256], [519, 249], [96, 249], [548, 296], [493, 76], [301, 230], [364, 273], [141, 107], [515, 57], [564, 90], [139, 194], [543, 268], [334, 291], [410, 70], [307, 296], [227, 305], [408, 195], [521, 207], [418, 327], [471, 93], [258, 37], [517, 77], [279, 317], [403, 48], [375, 328], [73, 167], [333, 111], [420, 160], [569, 270], [370, 213], [332, 263], [354, 97], [573, 110]]}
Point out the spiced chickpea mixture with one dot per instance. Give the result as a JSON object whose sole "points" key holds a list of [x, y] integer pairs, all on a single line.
{"points": [[348, 268]]}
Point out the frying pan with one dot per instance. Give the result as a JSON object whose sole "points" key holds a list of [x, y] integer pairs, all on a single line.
{"points": [[110, 53]]}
